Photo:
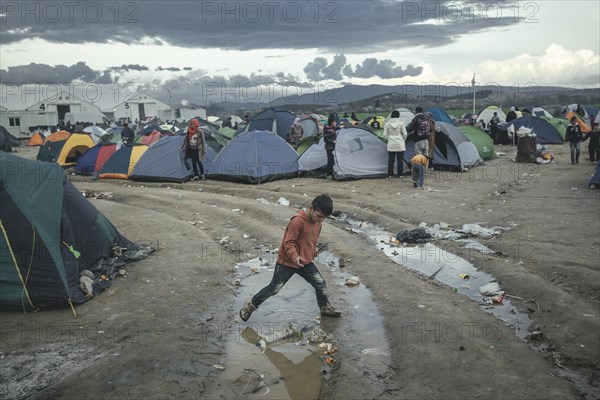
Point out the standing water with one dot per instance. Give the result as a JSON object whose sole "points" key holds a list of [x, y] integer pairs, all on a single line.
{"points": [[285, 349]]}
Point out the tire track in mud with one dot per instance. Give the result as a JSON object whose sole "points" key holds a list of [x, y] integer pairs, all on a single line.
{"points": [[407, 302], [267, 222]]}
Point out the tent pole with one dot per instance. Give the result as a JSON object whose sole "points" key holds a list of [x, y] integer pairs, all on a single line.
{"points": [[72, 308]]}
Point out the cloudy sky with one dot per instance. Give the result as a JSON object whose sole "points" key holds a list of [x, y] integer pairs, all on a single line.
{"points": [[307, 45]]}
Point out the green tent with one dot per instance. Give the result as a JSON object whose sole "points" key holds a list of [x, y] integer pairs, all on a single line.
{"points": [[49, 233], [306, 142], [227, 131], [482, 141], [560, 124]]}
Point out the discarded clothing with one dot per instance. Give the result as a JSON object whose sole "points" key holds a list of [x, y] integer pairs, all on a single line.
{"points": [[417, 235]]}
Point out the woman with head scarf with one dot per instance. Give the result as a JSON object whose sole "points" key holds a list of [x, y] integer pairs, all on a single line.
{"points": [[194, 147], [295, 134]]}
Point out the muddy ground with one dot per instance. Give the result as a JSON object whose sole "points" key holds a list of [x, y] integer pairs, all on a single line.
{"points": [[160, 331]]}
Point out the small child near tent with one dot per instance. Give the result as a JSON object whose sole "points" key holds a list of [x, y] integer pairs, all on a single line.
{"points": [[418, 164]]}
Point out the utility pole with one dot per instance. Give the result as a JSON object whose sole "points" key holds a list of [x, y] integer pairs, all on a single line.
{"points": [[473, 84]]}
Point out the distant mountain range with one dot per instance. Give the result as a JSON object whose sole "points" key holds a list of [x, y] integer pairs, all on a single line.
{"points": [[355, 97]]}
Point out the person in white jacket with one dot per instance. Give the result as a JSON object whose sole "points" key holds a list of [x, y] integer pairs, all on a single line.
{"points": [[395, 133]]}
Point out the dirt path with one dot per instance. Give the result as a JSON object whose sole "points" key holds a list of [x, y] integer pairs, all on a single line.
{"points": [[158, 332]]}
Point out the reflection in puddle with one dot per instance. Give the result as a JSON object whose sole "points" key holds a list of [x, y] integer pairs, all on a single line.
{"points": [[276, 353], [444, 266]]}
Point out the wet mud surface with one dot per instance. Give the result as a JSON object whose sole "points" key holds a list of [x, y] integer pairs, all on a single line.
{"points": [[170, 328]]}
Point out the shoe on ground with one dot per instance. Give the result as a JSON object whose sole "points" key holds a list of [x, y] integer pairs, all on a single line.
{"points": [[329, 311], [247, 309], [329, 178], [203, 178], [415, 184]]}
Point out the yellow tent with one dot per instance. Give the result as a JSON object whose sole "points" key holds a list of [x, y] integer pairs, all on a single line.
{"points": [[74, 146]]}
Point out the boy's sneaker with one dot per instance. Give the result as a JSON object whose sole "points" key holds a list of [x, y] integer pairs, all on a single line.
{"points": [[247, 309], [415, 184], [329, 311]]}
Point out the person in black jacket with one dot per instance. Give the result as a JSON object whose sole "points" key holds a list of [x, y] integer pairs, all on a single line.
{"points": [[594, 145], [329, 136], [512, 114], [127, 134], [574, 137]]}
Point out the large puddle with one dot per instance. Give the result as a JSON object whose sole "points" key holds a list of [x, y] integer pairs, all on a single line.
{"points": [[285, 350], [444, 266]]}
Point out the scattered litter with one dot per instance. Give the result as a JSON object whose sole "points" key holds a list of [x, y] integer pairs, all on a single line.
{"points": [[224, 239], [375, 351], [264, 201], [236, 210], [191, 223], [498, 299], [283, 202], [465, 276], [352, 281], [245, 236], [417, 235], [490, 289], [476, 230], [219, 367], [574, 189]]}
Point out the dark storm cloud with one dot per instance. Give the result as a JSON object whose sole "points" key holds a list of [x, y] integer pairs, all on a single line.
{"points": [[172, 69], [333, 26], [43, 73], [129, 67], [384, 69], [319, 69]]}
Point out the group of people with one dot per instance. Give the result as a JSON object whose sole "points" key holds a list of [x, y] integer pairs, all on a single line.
{"points": [[396, 133]]}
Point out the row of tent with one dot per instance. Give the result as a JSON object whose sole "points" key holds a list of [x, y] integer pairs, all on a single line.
{"points": [[260, 156], [244, 154], [244, 157]]}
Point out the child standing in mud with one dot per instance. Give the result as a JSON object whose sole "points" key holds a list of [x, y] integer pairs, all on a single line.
{"points": [[297, 250]]}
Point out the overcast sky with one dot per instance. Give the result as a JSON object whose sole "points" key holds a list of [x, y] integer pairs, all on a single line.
{"points": [[178, 45]]}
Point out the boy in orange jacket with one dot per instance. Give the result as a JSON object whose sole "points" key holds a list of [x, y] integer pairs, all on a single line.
{"points": [[297, 250]]}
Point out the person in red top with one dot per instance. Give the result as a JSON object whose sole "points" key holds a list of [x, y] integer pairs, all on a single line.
{"points": [[296, 253]]}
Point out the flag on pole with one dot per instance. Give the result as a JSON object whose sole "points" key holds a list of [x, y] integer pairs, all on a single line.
{"points": [[473, 81]]}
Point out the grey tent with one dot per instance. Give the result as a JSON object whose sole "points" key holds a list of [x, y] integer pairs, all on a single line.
{"points": [[163, 162], [467, 152], [254, 157], [453, 150], [358, 154]]}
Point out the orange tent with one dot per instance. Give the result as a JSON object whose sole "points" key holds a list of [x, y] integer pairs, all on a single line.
{"points": [[57, 137], [36, 139], [585, 128]]}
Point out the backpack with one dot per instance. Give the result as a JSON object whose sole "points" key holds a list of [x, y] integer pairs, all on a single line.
{"points": [[423, 128]]}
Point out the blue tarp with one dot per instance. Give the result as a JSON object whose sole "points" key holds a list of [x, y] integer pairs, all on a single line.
{"points": [[440, 115]]}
